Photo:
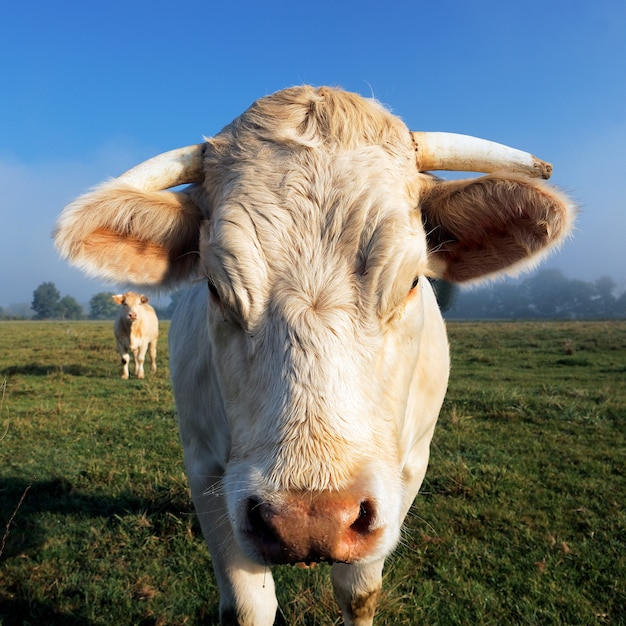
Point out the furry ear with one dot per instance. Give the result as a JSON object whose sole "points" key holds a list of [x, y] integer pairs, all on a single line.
{"points": [[120, 233], [491, 225]]}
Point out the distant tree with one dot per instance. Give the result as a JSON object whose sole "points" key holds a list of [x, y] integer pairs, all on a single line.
{"points": [[102, 307], [582, 301], [605, 288], [46, 301], [620, 306], [69, 309], [547, 292], [445, 293]]}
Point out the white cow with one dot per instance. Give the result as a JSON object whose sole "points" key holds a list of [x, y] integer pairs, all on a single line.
{"points": [[136, 330], [310, 364]]}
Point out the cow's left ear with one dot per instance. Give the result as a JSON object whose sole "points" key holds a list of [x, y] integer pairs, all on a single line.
{"points": [[124, 234], [491, 225]]}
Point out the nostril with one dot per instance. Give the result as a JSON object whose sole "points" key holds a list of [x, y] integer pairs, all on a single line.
{"points": [[253, 512], [257, 512], [365, 518]]}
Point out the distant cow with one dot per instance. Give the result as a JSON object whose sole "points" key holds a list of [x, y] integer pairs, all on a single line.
{"points": [[136, 330], [309, 357]]}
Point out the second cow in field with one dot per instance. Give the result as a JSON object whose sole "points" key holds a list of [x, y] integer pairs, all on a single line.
{"points": [[136, 330]]}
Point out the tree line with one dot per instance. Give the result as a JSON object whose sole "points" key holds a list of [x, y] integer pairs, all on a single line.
{"points": [[47, 304], [548, 294]]}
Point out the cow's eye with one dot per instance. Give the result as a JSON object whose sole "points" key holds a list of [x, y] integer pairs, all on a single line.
{"points": [[415, 282], [213, 289]]}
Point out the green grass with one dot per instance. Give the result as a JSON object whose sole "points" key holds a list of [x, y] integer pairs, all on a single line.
{"points": [[521, 519]]}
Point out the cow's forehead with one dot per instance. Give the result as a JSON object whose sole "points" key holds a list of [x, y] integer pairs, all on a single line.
{"points": [[343, 197], [131, 298]]}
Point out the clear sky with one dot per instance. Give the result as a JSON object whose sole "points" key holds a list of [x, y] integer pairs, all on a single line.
{"points": [[88, 89]]}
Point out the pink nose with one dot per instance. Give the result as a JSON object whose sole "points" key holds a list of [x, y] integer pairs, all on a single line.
{"points": [[132, 315], [311, 527]]}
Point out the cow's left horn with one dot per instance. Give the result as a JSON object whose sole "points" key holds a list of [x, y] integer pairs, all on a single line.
{"points": [[176, 167], [463, 153]]}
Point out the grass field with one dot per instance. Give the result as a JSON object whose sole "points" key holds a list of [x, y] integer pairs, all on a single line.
{"points": [[521, 519]]}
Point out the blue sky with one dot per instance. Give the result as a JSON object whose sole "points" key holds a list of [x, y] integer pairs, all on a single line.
{"points": [[91, 88]]}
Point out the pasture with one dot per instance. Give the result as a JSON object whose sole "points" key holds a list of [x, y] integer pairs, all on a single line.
{"points": [[521, 518]]}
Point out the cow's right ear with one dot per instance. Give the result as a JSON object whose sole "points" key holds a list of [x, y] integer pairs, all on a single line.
{"points": [[118, 298], [497, 224], [122, 234]]}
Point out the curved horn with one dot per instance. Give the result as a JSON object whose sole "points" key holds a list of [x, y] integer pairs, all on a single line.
{"points": [[450, 151], [176, 167]]}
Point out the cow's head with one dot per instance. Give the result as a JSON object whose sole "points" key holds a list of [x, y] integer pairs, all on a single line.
{"points": [[131, 304], [315, 225]]}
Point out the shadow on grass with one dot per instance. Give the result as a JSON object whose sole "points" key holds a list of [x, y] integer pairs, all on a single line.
{"points": [[22, 504], [22, 613], [58, 495], [40, 369]]}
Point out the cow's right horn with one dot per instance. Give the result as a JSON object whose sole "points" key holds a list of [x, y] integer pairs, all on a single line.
{"points": [[463, 153], [176, 167]]}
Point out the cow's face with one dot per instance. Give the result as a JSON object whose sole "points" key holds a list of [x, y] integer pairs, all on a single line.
{"points": [[316, 302], [132, 305]]}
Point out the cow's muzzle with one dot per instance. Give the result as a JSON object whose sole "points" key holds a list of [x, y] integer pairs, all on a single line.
{"points": [[307, 527]]}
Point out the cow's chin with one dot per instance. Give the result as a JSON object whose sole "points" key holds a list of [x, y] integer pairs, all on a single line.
{"points": [[352, 525]]}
